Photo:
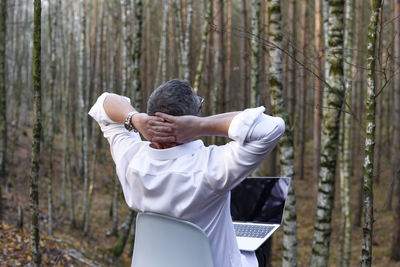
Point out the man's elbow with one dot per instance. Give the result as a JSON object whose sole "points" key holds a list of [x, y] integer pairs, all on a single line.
{"points": [[280, 126]]}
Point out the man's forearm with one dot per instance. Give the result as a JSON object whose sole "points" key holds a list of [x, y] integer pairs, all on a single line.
{"points": [[188, 128], [117, 108], [216, 125]]}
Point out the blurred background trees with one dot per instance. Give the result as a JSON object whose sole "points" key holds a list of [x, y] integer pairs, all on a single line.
{"points": [[307, 61]]}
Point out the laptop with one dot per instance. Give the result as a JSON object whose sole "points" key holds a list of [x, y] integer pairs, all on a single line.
{"points": [[257, 206]]}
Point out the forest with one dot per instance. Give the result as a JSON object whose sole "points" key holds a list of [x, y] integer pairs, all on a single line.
{"points": [[329, 68]]}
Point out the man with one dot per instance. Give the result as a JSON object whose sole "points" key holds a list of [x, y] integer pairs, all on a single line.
{"points": [[173, 175]]}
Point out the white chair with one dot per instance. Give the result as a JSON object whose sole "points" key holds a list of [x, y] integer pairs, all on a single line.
{"points": [[163, 241]]}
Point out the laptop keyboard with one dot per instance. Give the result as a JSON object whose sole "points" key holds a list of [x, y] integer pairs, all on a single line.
{"points": [[248, 230]]}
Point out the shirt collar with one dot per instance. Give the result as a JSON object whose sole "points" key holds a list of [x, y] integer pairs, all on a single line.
{"points": [[174, 152]]}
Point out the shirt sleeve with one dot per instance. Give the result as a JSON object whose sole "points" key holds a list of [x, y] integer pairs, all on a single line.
{"points": [[120, 139], [254, 135]]}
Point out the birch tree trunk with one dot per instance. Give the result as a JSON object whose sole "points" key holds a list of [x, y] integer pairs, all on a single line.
{"points": [[67, 153], [37, 130], [178, 34], [138, 30], [366, 253], [395, 253], [95, 35], [255, 48], [129, 222], [330, 136], [162, 58], [228, 53], [379, 103], [346, 226], [303, 88], [357, 105], [3, 97], [82, 110], [53, 72], [221, 97], [115, 202], [202, 57], [64, 83], [119, 246], [244, 60], [210, 66], [317, 89], [292, 76], [186, 45], [286, 150], [127, 47]]}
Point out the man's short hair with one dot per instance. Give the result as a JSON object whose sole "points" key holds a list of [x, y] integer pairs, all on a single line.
{"points": [[175, 97]]}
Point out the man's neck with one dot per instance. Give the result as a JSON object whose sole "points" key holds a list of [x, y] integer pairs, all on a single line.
{"points": [[157, 145]]}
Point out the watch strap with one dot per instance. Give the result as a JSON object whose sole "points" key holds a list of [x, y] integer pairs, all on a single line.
{"points": [[128, 124]]}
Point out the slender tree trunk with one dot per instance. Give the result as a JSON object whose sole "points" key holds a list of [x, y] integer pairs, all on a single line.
{"points": [[255, 48], [221, 97], [346, 226], [179, 35], [64, 83], [114, 230], [358, 98], [317, 88], [138, 30], [286, 150], [37, 130], [119, 246], [53, 72], [148, 56], [379, 103], [228, 53], [396, 83], [395, 253], [200, 64], [95, 34], [171, 44], [82, 111], [3, 97], [292, 74], [93, 60], [161, 66], [186, 45], [244, 60], [330, 135], [366, 253], [67, 153], [302, 89], [210, 67], [19, 83], [127, 47]]}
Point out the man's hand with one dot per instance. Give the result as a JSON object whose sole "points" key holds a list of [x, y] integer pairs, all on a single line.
{"points": [[145, 125], [183, 128], [187, 128]]}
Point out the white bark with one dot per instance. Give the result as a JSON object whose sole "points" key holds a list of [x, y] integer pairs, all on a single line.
{"points": [[286, 151], [330, 135], [346, 227], [255, 48], [186, 46], [366, 253], [162, 58], [82, 109]]}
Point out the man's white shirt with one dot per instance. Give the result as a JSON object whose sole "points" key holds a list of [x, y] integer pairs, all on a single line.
{"points": [[192, 181]]}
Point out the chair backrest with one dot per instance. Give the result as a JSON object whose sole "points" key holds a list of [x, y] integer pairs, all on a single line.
{"points": [[162, 241]]}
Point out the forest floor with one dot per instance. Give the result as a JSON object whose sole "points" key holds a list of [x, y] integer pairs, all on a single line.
{"points": [[70, 247]]}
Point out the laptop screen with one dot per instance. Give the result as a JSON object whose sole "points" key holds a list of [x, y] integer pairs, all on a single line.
{"points": [[259, 199]]}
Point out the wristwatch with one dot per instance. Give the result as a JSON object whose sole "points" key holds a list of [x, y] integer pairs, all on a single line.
{"points": [[128, 124]]}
